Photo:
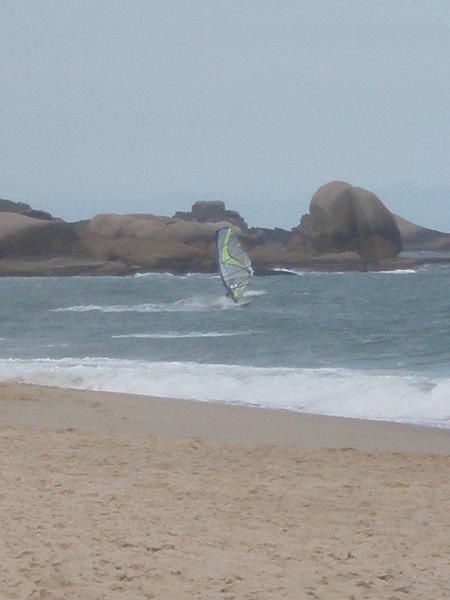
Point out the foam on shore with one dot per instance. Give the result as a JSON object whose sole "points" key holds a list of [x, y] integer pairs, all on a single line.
{"points": [[342, 392]]}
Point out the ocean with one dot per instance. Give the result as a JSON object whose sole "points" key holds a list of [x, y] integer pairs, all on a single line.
{"points": [[364, 345]]}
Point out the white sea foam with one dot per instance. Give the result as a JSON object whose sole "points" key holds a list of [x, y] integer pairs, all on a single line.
{"points": [[310, 273], [362, 394], [58, 345], [254, 293], [153, 274], [396, 272], [177, 275], [174, 335], [111, 308], [289, 271], [197, 303], [319, 273]]}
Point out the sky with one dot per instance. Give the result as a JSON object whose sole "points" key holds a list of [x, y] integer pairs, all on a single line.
{"points": [[148, 106]]}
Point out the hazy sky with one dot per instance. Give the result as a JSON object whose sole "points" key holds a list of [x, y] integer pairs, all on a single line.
{"points": [[146, 106]]}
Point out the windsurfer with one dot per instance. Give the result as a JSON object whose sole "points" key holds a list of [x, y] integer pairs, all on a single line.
{"points": [[233, 263]]}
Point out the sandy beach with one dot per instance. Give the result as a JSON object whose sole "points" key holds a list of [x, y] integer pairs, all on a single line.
{"points": [[116, 496]]}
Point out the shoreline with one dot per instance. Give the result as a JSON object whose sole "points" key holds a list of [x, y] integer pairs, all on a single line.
{"points": [[53, 408]]}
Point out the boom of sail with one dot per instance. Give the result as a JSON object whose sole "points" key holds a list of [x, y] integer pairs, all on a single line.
{"points": [[234, 265]]}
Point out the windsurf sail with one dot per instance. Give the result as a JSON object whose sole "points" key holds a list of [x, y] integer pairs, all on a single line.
{"points": [[234, 265]]}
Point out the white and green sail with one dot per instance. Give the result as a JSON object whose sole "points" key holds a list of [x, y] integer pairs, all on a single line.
{"points": [[234, 265]]}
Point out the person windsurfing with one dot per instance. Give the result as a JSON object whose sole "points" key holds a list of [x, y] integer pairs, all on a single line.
{"points": [[234, 265]]}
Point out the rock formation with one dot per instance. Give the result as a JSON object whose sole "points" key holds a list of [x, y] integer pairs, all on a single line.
{"points": [[346, 218], [415, 237], [15, 207], [345, 224], [151, 242], [211, 211], [21, 235], [24, 209]]}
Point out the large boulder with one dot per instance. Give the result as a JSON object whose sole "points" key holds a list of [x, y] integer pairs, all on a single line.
{"points": [[26, 236], [151, 242], [346, 218]]}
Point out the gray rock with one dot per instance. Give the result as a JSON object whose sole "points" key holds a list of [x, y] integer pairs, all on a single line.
{"points": [[212, 211], [419, 238], [346, 218], [14, 207], [25, 236]]}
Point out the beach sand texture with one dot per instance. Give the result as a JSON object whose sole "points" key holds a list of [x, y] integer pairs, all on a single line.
{"points": [[90, 511]]}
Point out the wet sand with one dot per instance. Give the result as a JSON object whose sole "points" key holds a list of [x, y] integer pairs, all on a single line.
{"points": [[114, 496]]}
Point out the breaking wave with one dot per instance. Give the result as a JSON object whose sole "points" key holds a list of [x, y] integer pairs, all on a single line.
{"points": [[200, 303], [310, 273], [177, 275], [321, 273], [349, 393], [174, 335], [154, 274], [254, 293], [396, 272]]}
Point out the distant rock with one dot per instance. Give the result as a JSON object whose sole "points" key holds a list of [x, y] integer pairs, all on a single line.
{"points": [[61, 266], [415, 237], [24, 209], [345, 224], [347, 218], [179, 245], [38, 214], [151, 242], [26, 236], [14, 207], [263, 235], [212, 211]]}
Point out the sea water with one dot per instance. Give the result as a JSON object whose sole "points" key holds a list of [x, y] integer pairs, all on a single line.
{"points": [[369, 345]]}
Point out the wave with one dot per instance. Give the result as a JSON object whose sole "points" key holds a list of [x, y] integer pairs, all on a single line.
{"points": [[177, 275], [310, 273], [254, 293], [153, 274], [349, 393], [318, 273], [289, 271], [174, 335], [107, 308], [396, 272], [199, 303]]}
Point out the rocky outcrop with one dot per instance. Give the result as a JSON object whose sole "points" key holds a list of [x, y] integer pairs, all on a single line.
{"points": [[24, 209], [345, 224], [346, 218], [26, 236], [261, 235], [61, 266], [269, 248], [38, 214], [419, 238], [15, 207], [151, 242], [209, 211]]}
